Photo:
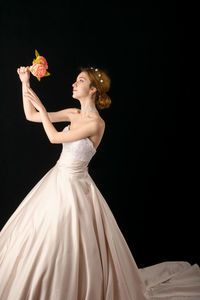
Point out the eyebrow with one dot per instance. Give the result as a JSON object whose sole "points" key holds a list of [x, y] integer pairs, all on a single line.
{"points": [[81, 77]]}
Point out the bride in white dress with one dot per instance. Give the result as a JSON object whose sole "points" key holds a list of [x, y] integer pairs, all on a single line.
{"points": [[62, 242]]}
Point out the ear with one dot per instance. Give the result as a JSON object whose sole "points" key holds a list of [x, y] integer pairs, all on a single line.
{"points": [[93, 90]]}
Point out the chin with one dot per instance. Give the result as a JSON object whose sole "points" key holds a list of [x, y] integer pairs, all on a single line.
{"points": [[75, 97]]}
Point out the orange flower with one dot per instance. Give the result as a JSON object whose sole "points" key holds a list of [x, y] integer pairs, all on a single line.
{"points": [[39, 67], [38, 70]]}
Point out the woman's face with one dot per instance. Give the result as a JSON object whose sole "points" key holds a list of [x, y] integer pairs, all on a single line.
{"points": [[81, 88]]}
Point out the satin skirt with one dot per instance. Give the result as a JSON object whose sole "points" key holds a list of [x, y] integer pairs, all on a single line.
{"points": [[63, 243]]}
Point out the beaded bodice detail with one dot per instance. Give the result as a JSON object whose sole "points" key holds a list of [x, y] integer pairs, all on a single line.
{"points": [[82, 150]]}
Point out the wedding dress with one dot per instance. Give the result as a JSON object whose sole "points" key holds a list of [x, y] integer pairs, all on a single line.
{"points": [[63, 243]]}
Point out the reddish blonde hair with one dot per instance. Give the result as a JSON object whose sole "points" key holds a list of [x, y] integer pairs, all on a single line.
{"points": [[100, 80]]}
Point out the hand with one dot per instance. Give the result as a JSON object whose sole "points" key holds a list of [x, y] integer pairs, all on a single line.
{"points": [[31, 96], [24, 74]]}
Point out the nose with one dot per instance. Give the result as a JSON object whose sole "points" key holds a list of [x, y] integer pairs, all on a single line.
{"points": [[74, 84]]}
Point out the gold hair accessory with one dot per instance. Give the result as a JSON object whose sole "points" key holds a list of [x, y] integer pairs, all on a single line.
{"points": [[99, 75]]}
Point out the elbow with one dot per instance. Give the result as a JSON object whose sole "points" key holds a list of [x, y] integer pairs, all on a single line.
{"points": [[28, 118], [55, 140], [52, 140]]}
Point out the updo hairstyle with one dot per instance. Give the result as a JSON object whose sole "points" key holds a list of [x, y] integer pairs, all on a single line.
{"points": [[100, 80]]}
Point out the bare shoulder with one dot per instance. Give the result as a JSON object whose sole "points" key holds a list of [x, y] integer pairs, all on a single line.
{"points": [[73, 113], [98, 124], [102, 123], [73, 110], [99, 128]]}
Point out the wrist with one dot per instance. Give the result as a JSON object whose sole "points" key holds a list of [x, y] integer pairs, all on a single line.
{"points": [[26, 84], [43, 111]]}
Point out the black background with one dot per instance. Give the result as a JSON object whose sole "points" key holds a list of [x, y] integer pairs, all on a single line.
{"points": [[145, 166]]}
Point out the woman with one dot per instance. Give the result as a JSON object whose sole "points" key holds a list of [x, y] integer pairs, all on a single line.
{"points": [[62, 242]]}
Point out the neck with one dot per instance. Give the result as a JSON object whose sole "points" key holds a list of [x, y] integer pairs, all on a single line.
{"points": [[88, 107]]}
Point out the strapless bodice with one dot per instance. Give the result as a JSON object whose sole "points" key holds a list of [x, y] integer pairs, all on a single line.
{"points": [[78, 152]]}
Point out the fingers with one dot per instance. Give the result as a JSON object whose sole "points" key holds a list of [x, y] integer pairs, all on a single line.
{"points": [[22, 70]]}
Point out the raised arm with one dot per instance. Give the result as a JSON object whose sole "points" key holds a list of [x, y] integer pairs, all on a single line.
{"points": [[92, 129], [30, 112], [29, 109]]}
